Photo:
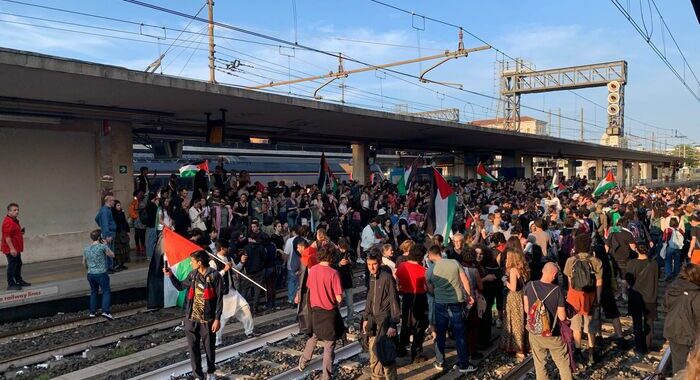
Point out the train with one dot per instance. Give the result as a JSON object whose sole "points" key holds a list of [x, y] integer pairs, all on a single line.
{"points": [[263, 169]]}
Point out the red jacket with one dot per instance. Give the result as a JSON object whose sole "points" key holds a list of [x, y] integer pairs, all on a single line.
{"points": [[11, 229]]}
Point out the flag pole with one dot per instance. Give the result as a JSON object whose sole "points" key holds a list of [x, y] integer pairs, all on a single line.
{"points": [[237, 271]]}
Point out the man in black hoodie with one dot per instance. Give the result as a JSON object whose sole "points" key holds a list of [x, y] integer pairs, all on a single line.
{"points": [[382, 314]]}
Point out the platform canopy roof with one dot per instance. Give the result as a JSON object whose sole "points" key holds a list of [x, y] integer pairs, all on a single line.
{"points": [[36, 85]]}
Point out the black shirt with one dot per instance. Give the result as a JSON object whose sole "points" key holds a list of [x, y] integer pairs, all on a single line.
{"points": [[151, 211], [551, 303], [619, 244], [643, 278], [277, 240]]}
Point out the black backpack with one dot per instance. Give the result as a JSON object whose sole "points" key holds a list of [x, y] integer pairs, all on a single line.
{"points": [[143, 215], [582, 275]]}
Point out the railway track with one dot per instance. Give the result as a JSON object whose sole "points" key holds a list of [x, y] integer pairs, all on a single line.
{"points": [[235, 351], [610, 357], [57, 325], [40, 355], [140, 355]]}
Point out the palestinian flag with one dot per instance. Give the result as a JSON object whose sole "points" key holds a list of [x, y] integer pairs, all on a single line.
{"points": [[176, 250], [188, 171], [484, 174], [325, 176], [444, 201], [606, 184], [404, 185], [556, 182]]}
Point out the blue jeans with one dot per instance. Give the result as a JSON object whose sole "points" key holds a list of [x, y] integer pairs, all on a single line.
{"points": [[97, 282], [292, 220], [151, 239], [673, 257], [292, 284], [450, 315], [110, 261]]}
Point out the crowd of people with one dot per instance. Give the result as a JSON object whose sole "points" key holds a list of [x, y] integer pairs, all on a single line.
{"points": [[545, 267]]}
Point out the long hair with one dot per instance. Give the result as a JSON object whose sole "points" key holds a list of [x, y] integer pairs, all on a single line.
{"points": [[513, 242], [516, 259]]}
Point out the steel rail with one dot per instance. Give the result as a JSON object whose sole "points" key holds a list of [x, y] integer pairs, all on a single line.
{"points": [[232, 351]]}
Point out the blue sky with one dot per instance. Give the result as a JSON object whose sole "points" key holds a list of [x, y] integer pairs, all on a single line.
{"points": [[545, 33]]}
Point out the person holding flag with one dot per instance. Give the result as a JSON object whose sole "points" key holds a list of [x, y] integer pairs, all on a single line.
{"points": [[234, 304], [484, 174], [605, 184], [203, 309], [326, 177]]}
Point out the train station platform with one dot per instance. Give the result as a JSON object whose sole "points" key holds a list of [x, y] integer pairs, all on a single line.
{"points": [[64, 280]]}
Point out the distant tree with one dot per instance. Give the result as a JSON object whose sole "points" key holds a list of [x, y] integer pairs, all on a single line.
{"points": [[691, 154]]}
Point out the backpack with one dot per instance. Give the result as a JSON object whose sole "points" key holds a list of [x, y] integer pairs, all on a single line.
{"points": [[582, 276], [143, 215], [635, 231], [538, 322], [567, 245], [676, 240]]}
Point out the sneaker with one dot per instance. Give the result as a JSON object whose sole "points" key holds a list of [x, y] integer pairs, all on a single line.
{"points": [[438, 366], [469, 368], [14, 287], [211, 376], [252, 335], [108, 316], [91, 315]]}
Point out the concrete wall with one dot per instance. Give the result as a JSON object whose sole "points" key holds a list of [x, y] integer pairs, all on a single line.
{"points": [[54, 173]]}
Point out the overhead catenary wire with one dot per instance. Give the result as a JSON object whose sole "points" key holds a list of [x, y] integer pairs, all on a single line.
{"points": [[181, 32], [386, 44], [336, 55], [298, 46], [503, 53], [660, 54], [113, 19]]}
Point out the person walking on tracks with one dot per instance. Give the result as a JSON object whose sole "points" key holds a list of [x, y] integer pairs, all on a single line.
{"points": [[325, 294], [410, 276], [643, 279], [449, 285], [585, 274], [381, 317], [544, 304], [203, 308]]}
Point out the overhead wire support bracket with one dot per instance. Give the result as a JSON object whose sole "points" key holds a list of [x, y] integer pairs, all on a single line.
{"points": [[460, 52], [342, 73]]}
